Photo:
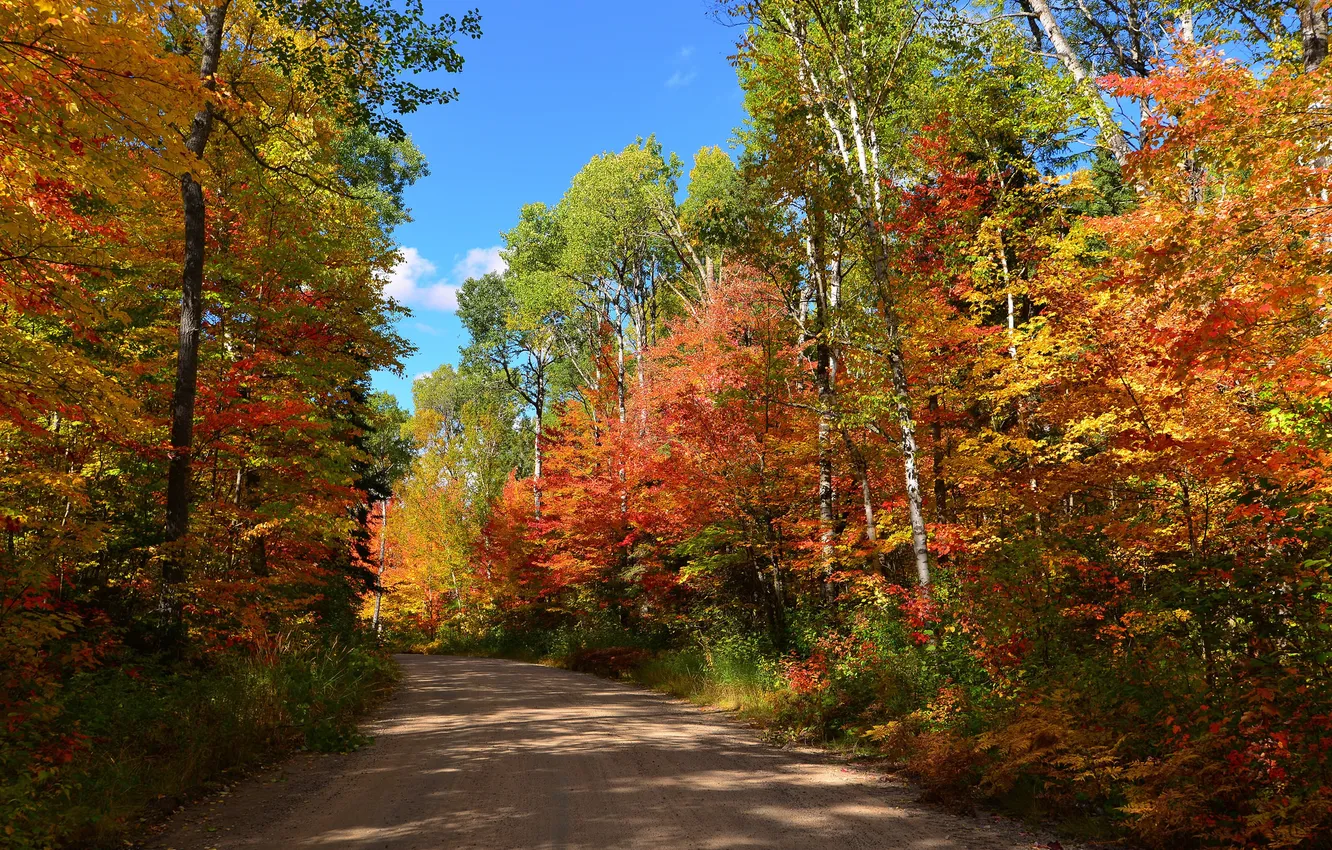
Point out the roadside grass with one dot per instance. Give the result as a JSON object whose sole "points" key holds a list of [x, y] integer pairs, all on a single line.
{"points": [[946, 767], [730, 675], [743, 685], [847, 714], [155, 737]]}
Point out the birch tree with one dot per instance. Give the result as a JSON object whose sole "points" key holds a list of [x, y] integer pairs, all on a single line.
{"points": [[514, 341], [851, 65]]}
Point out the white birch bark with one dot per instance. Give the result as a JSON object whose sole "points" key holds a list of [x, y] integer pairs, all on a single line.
{"points": [[844, 119], [1111, 132]]}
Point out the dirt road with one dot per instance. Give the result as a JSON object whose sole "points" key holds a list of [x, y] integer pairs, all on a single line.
{"points": [[486, 754]]}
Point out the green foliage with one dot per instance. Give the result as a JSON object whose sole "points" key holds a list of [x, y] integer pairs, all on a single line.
{"points": [[612, 207], [379, 169], [146, 734], [378, 46], [513, 347], [463, 429], [736, 681], [387, 444], [715, 209], [1110, 193]]}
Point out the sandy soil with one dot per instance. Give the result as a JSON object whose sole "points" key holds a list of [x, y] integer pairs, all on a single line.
{"points": [[488, 754]]}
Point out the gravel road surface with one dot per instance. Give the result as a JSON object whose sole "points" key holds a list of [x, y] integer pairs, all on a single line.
{"points": [[488, 754]]}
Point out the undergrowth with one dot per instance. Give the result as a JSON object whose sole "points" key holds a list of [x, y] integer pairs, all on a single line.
{"points": [[727, 677], [151, 736]]}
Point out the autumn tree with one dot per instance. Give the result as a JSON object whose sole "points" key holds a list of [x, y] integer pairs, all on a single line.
{"points": [[287, 158], [851, 68], [466, 449], [514, 343], [346, 56]]}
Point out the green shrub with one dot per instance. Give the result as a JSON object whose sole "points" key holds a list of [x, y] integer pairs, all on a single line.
{"points": [[153, 736]]}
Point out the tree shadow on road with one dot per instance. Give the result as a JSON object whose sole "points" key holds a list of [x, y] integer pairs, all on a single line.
{"points": [[485, 753]]}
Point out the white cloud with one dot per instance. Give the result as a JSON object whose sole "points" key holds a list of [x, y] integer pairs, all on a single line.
{"points": [[684, 74], [404, 282], [415, 280], [442, 296], [680, 79], [478, 262]]}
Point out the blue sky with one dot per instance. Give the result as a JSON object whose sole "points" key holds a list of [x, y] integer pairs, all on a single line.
{"points": [[550, 84]]}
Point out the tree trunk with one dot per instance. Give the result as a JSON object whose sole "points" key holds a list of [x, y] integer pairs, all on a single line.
{"points": [[861, 467], [1184, 26], [379, 580], [620, 372], [643, 329], [1008, 295], [826, 495], [620, 391], [1313, 33], [778, 612], [777, 609], [937, 458], [259, 545], [536, 446], [823, 377], [902, 402], [919, 541], [191, 299], [1110, 129], [259, 555], [866, 186]]}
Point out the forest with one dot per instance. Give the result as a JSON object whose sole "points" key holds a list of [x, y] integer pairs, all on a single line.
{"points": [[972, 410], [196, 208], [968, 408]]}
